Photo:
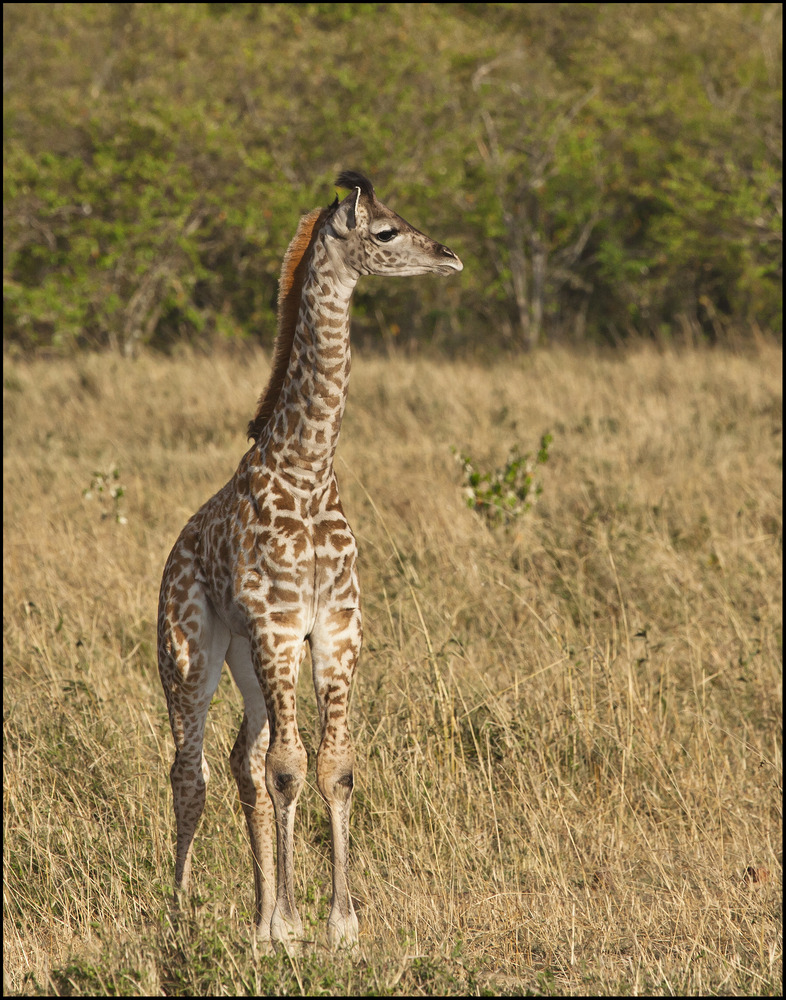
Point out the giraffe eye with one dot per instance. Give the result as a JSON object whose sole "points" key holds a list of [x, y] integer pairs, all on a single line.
{"points": [[386, 235]]}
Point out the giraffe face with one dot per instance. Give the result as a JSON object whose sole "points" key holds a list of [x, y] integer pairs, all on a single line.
{"points": [[375, 240]]}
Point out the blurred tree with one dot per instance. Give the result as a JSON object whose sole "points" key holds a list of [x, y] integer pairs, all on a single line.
{"points": [[602, 169], [547, 179]]}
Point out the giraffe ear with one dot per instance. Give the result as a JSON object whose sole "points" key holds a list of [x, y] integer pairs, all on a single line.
{"points": [[361, 216], [346, 215]]}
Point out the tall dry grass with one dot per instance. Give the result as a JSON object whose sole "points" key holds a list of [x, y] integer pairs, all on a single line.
{"points": [[568, 730]]}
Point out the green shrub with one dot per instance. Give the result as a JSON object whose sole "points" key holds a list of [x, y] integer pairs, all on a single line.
{"points": [[602, 171], [504, 494]]}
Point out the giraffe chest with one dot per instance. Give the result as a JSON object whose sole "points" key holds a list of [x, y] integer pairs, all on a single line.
{"points": [[283, 553]]}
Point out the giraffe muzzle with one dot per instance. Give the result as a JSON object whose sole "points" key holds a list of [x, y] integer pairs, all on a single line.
{"points": [[452, 260]]}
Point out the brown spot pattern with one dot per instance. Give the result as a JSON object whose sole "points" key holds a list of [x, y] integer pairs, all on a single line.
{"points": [[270, 563]]}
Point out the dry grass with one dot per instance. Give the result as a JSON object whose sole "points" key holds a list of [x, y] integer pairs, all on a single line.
{"points": [[568, 731]]}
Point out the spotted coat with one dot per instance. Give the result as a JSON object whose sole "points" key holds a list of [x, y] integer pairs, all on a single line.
{"points": [[269, 564]]}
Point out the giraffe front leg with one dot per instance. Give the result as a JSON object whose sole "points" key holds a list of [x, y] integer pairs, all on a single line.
{"points": [[335, 778], [335, 647], [285, 775], [276, 664]]}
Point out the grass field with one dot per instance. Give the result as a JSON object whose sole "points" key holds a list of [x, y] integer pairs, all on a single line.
{"points": [[568, 726]]}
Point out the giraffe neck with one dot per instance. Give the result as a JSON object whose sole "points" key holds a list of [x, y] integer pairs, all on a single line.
{"points": [[300, 438]]}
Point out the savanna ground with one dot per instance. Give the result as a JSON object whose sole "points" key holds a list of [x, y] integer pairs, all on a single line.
{"points": [[568, 728]]}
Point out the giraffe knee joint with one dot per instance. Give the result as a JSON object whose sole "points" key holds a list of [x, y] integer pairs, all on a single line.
{"points": [[342, 789], [285, 778], [196, 773], [284, 783], [285, 787], [337, 787]]}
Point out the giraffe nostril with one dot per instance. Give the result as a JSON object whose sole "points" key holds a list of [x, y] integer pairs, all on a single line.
{"points": [[446, 251]]}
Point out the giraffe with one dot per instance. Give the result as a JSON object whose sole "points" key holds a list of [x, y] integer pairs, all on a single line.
{"points": [[269, 564]]}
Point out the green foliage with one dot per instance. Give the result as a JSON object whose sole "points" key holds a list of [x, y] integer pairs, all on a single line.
{"points": [[504, 494], [601, 169], [106, 488]]}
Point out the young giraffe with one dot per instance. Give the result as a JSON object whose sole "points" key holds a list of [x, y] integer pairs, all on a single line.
{"points": [[270, 563]]}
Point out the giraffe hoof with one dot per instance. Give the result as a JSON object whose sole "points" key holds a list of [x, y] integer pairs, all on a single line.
{"points": [[342, 932], [261, 942], [286, 933], [290, 946]]}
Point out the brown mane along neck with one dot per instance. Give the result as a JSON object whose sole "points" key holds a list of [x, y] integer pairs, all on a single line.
{"points": [[290, 288]]}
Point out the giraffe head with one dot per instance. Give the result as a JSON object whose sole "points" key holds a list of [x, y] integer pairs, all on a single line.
{"points": [[372, 239]]}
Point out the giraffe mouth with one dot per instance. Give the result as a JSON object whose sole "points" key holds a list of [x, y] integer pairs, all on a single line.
{"points": [[444, 261], [448, 266], [433, 267], [450, 261]]}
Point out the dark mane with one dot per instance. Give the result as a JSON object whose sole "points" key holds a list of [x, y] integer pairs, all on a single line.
{"points": [[290, 286], [353, 179]]}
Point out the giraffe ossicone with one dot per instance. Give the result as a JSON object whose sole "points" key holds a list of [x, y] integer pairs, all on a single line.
{"points": [[270, 563]]}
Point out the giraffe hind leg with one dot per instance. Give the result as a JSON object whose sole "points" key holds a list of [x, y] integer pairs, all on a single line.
{"points": [[191, 656], [247, 761]]}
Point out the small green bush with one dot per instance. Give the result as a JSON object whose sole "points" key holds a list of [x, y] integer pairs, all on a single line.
{"points": [[506, 493]]}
